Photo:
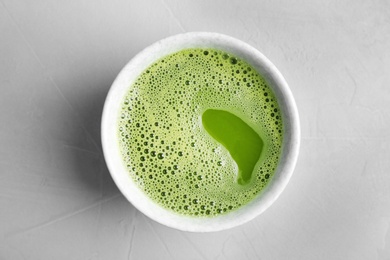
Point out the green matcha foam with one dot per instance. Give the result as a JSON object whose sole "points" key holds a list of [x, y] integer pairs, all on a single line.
{"points": [[165, 146]]}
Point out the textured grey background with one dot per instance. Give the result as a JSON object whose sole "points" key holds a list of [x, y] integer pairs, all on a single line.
{"points": [[57, 62]]}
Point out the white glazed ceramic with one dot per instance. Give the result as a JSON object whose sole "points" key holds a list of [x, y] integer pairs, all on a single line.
{"points": [[110, 142]]}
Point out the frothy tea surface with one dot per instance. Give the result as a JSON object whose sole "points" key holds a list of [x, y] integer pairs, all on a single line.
{"points": [[200, 132]]}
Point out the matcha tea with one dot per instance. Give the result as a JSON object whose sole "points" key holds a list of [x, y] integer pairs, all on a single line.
{"points": [[200, 132]]}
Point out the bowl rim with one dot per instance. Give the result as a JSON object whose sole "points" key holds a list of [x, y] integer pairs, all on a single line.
{"points": [[137, 65]]}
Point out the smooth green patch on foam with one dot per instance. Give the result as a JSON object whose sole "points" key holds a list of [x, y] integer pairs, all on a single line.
{"points": [[166, 147], [242, 142]]}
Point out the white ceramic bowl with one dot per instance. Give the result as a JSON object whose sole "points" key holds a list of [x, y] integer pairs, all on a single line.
{"points": [[276, 82]]}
